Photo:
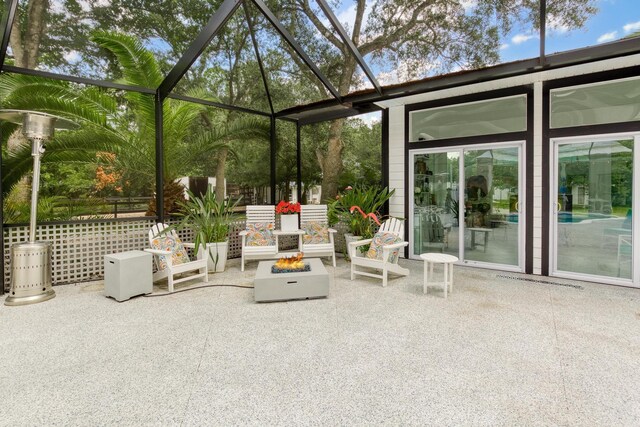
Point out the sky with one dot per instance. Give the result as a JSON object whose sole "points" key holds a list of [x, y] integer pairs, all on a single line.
{"points": [[615, 19]]}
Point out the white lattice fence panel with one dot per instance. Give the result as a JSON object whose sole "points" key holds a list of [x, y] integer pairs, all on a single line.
{"points": [[339, 241], [79, 248]]}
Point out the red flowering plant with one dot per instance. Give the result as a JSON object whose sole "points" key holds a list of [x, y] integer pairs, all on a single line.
{"points": [[363, 223], [287, 208], [358, 207]]}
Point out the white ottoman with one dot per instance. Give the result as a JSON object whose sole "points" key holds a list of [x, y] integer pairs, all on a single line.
{"points": [[435, 258], [127, 274]]}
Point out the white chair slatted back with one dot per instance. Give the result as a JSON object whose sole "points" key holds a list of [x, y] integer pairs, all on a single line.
{"points": [[157, 229], [313, 213], [261, 214], [393, 225]]}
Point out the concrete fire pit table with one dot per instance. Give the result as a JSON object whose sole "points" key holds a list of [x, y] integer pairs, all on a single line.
{"points": [[270, 286]]}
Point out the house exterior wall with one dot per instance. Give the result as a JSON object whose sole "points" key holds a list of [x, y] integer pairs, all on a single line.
{"points": [[398, 175]]}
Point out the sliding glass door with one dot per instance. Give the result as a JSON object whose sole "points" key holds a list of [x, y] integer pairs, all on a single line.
{"points": [[492, 205], [592, 207], [467, 202]]}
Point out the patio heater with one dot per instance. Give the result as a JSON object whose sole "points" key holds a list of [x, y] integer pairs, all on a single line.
{"points": [[31, 260]]}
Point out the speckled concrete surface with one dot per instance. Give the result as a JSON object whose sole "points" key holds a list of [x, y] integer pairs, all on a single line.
{"points": [[496, 352]]}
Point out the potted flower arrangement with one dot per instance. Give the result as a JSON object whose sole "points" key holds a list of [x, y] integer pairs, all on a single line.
{"points": [[210, 220], [288, 215]]}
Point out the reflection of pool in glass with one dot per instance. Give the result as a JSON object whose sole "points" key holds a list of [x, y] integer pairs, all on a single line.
{"points": [[575, 218]]}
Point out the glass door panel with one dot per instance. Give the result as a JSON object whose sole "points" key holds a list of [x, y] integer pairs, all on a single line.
{"points": [[492, 206], [593, 212], [435, 202]]}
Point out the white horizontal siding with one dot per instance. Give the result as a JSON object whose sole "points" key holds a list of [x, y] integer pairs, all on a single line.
{"points": [[396, 161]]}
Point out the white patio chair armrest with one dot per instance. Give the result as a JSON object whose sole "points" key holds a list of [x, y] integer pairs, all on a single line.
{"points": [[189, 245], [242, 233], [360, 243], [394, 246], [387, 249], [158, 252], [332, 230], [354, 245]]}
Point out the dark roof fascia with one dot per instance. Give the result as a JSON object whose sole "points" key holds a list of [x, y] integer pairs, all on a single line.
{"points": [[311, 118]]}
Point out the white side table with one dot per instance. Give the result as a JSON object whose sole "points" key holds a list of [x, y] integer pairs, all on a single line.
{"points": [[127, 274], [435, 258]]}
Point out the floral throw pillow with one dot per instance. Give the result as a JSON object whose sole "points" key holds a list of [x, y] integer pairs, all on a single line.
{"points": [[315, 233], [260, 234], [379, 240], [170, 242]]}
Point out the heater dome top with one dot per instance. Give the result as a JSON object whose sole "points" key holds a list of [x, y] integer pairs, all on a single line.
{"points": [[35, 123]]}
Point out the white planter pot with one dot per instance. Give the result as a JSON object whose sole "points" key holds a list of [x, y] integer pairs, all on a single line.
{"points": [[348, 237], [289, 222], [217, 256]]}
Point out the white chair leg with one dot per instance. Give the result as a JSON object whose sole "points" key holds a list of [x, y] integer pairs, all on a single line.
{"points": [[353, 271], [242, 262], [206, 274], [170, 281], [334, 258], [446, 279], [384, 276], [451, 277], [425, 279]]}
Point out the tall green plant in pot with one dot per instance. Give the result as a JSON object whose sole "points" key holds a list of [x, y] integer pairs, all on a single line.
{"points": [[210, 220], [360, 223], [368, 199]]}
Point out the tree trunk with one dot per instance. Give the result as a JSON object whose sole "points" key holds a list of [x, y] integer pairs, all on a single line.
{"points": [[331, 161], [220, 172], [172, 192], [25, 42]]}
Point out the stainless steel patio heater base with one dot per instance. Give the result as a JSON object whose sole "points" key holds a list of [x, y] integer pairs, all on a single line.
{"points": [[30, 273]]}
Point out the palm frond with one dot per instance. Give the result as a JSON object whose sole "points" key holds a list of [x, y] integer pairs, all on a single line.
{"points": [[139, 66]]}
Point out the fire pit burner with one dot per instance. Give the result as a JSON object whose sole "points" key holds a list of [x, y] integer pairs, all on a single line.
{"points": [[293, 264]]}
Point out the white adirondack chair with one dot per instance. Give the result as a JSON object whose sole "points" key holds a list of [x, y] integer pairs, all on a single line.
{"points": [[310, 214], [393, 226], [259, 215], [172, 259]]}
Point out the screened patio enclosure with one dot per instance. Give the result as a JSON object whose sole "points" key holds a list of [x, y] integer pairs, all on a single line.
{"points": [[292, 63]]}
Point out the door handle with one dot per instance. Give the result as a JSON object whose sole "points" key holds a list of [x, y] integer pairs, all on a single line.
{"points": [[517, 206]]}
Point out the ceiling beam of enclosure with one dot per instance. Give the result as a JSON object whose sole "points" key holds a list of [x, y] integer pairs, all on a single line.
{"points": [[350, 45], [217, 20], [543, 29], [296, 47], [258, 57], [7, 23], [216, 104], [74, 79]]}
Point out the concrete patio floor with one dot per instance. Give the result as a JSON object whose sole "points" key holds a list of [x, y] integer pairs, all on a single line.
{"points": [[498, 351]]}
